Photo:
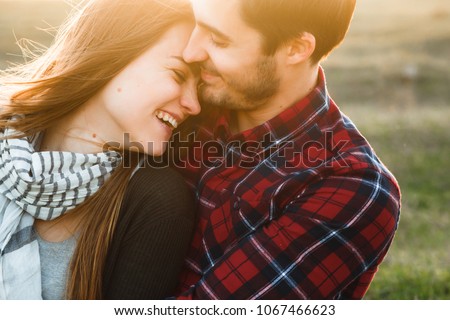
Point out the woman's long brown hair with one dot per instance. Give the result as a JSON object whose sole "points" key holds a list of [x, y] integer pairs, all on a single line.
{"points": [[97, 41]]}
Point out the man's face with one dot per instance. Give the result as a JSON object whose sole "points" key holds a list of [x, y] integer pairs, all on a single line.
{"points": [[235, 72]]}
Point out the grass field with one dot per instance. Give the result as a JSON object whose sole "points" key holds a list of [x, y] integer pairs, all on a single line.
{"points": [[392, 77]]}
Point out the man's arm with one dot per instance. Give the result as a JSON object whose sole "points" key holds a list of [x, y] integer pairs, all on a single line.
{"points": [[330, 236]]}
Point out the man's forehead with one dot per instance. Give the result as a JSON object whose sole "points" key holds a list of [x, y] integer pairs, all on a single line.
{"points": [[229, 9], [219, 16]]}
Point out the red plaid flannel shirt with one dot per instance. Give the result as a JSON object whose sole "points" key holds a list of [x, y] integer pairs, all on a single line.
{"points": [[299, 207]]}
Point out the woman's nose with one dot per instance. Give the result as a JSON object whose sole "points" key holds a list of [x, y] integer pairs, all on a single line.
{"points": [[189, 101]]}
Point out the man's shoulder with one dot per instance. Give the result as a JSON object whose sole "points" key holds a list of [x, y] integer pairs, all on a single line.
{"points": [[332, 147]]}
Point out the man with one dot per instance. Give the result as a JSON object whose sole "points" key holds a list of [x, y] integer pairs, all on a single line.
{"points": [[293, 202]]}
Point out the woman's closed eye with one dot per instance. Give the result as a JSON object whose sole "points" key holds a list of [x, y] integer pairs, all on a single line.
{"points": [[180, 76]]}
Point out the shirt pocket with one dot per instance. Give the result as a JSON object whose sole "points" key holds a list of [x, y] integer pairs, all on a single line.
{"points": [[245, 214]]}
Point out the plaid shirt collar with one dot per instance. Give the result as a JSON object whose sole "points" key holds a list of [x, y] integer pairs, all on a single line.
{"points": [[290, 123]]}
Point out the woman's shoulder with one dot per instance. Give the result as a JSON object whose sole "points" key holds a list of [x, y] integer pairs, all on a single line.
{"points": [[161, 191], [154, 178]]}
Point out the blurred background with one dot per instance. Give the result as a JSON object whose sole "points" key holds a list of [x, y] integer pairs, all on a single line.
{"points": [[392, 77]]}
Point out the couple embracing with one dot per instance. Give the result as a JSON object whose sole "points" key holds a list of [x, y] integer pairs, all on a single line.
{"points": [[291, 202]]}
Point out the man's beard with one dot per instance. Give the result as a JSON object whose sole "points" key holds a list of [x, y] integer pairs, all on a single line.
{"points": [[247, 92]]}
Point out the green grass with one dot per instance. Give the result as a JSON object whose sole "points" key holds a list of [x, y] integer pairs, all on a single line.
{"points": [[415, 144], [398, 282]]}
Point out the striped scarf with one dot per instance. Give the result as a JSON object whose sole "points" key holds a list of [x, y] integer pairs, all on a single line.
{"points": [[38, 185]]}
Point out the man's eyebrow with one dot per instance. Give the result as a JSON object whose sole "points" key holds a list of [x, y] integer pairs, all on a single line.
{"points": [[214, 30]]}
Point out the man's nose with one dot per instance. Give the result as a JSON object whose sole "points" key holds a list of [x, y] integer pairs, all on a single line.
{"points": [[195, 50]]}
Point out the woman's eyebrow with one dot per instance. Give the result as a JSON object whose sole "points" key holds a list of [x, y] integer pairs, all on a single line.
{"points": [[180, 59], [194, 67]]}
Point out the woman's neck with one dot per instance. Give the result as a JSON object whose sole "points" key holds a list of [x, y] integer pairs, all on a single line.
{"points": [[72, 133], [60, 229]]}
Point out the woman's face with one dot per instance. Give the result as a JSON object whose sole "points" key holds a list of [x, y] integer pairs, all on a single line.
{"points": [[150, 97]]}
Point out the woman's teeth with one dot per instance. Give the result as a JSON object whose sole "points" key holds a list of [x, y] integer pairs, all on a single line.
{"points": [[164, 116]]}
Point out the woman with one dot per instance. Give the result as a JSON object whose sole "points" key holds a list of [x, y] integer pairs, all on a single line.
{"points": [[81, 215]]}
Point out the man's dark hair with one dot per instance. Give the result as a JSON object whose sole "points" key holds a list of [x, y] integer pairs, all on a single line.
{"points": [[281, 20]]}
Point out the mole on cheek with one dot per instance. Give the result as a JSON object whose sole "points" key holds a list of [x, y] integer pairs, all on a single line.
{"points": [[119, 90]]}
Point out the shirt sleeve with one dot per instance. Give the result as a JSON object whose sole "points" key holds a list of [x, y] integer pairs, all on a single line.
{"points": [[152, 237], [330, 237]]}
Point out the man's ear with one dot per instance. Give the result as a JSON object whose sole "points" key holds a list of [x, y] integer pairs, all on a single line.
{"points": [[300, 48]]}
